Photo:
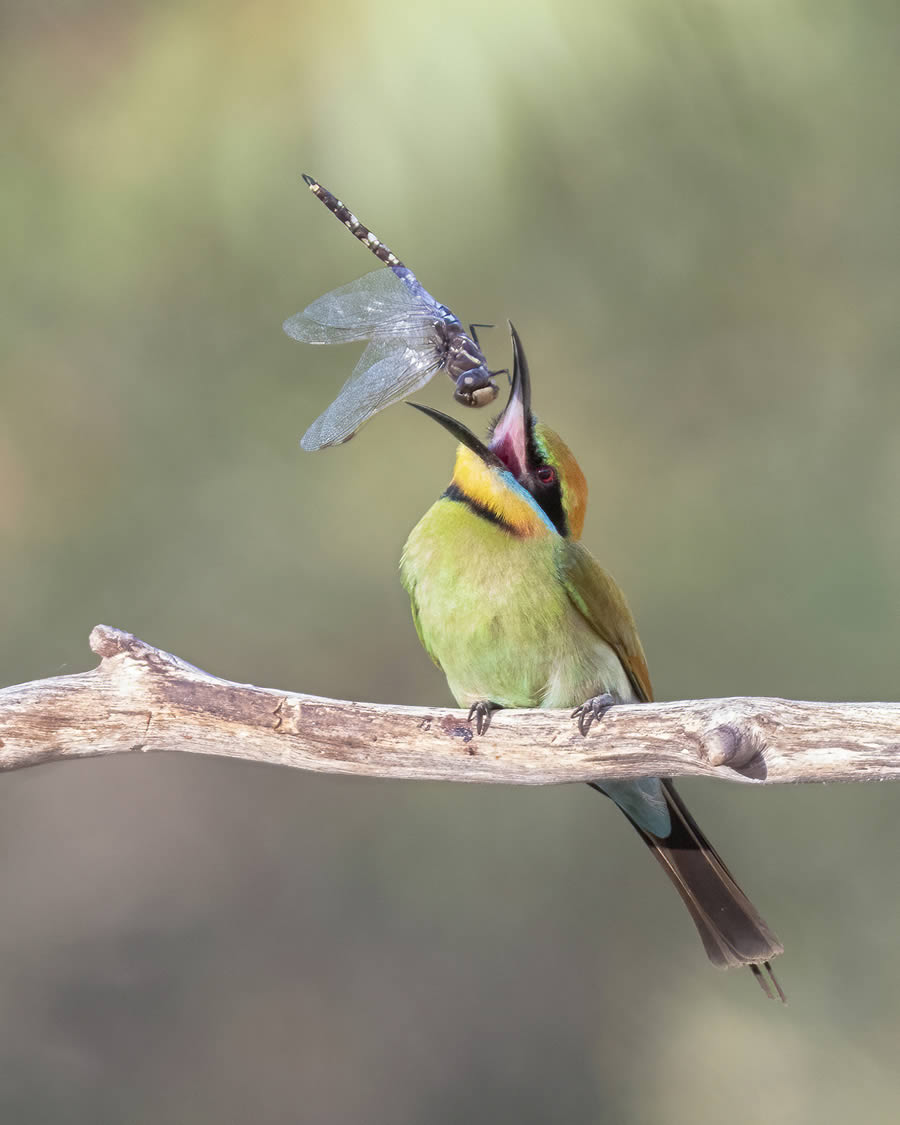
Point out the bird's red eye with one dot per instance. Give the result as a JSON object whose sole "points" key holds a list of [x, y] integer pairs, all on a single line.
{"points": [[546, 474]]}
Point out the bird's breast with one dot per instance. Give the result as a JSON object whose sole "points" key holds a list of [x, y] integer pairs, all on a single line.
{"points": [[494, 613]]}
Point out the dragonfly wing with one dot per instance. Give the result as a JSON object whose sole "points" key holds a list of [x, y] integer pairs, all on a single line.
{"points": [[387, 372], [376, 306]]}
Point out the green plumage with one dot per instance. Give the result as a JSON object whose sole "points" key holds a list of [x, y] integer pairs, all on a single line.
{"points": [[500, 616], [514, 621]]}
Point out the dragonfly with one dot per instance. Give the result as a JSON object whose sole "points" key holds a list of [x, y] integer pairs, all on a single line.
{"points": [[410, 335]]}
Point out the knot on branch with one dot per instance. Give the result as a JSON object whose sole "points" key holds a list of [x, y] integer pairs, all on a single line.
{"points": [[107, 642], [737, 745]]}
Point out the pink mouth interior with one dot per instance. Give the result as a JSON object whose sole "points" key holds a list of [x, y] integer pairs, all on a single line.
{"points": [[508, 442], [506, 451]]}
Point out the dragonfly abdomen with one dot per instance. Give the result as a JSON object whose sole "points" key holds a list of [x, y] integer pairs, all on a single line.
{"points": [[342, 211]]}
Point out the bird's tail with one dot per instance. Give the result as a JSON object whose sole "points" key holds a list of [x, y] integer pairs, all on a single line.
{"points": [[731, 929]]}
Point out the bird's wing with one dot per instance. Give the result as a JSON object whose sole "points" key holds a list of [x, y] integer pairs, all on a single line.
{"points": [[599, 600], [411, 589]]}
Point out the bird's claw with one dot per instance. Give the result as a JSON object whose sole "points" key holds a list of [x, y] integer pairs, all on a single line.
{"points": [[481, 712], [593, 708]]}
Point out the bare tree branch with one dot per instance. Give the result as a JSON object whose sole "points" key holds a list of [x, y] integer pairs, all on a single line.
{"points": [[140, 698]]}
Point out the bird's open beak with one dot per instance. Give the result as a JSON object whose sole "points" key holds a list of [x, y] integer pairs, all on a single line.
{"points": [[512, 430]]}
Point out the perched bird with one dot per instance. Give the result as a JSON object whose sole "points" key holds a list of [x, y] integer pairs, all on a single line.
{"points": [[517, 613]]}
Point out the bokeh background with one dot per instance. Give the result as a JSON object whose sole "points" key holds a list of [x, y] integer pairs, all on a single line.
{"points": [[690, 210]]}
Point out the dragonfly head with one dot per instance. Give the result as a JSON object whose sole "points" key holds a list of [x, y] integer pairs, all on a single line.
{"points": [[475, 388]]}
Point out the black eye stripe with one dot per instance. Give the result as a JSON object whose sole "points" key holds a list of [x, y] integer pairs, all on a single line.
{"points": [[548, 494], [549, 497]]}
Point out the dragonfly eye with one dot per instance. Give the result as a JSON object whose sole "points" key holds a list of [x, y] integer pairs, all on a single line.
{"points": [[546, 474]]}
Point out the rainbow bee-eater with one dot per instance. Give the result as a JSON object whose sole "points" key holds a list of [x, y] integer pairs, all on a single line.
{"points": [[517, 613]]}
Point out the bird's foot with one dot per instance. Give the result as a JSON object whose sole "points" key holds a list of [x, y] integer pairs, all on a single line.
{"points": [[593, 708], [481, 712]]}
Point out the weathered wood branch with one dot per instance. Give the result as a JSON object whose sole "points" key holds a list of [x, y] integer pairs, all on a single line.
{"points": [[141, 699]]}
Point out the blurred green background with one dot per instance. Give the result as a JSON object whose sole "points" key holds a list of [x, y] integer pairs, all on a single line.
{"points": [[690, 211]]}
